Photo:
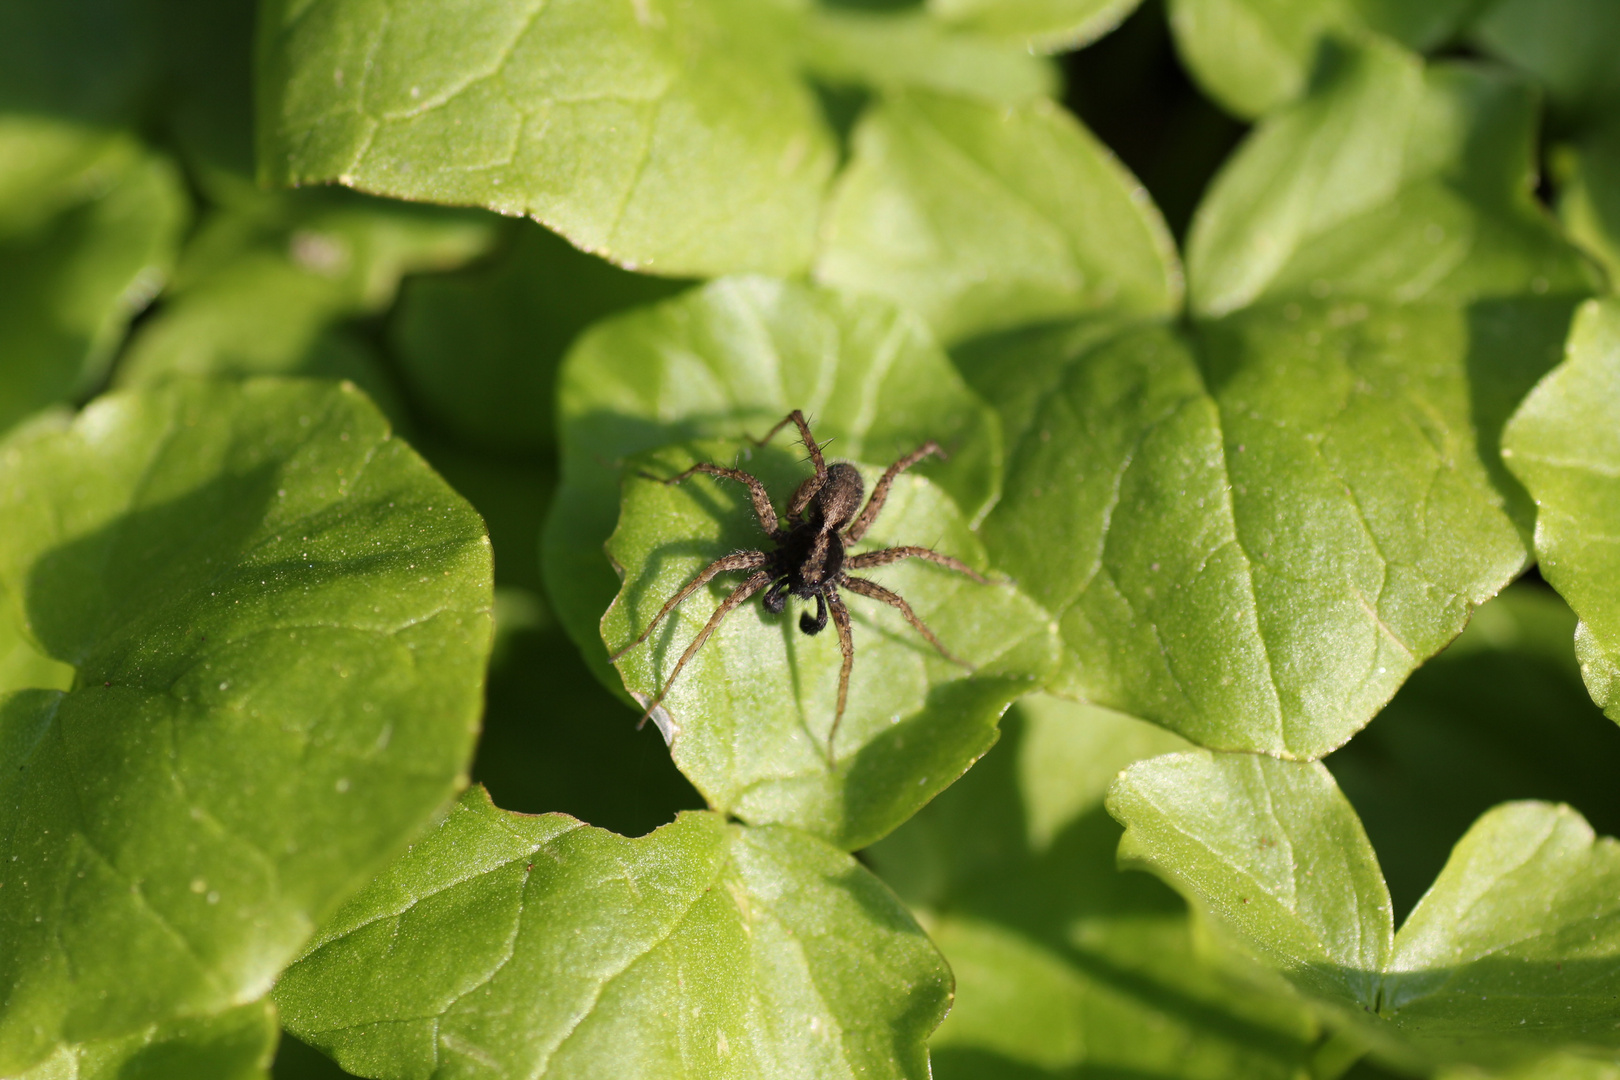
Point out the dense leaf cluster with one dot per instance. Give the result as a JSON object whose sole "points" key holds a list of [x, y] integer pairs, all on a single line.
{"points": [[325, 492]]}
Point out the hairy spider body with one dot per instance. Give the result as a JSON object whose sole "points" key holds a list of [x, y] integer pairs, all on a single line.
{"points": [[809, 560]]}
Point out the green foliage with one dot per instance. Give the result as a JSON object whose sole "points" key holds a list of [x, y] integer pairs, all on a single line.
{"points": [[1236, 487], [542, 947]]}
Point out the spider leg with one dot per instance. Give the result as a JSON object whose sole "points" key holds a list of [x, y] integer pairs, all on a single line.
{"points": [[740, 560], [898, 602], [807, 490], [866, 560], [738, 596], [756, 491], [816, 624], [880, 493], [846, 645]]}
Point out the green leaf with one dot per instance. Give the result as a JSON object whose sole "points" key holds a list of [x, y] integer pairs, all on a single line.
{"points": [[1563, 444], [480, 348], [750, 718], [1568, 45], [538, 947], [1254, 56], [1275, 853], [1065, 966], [1499, 715], [89, 225], [896, 50], [720, 158], [981, 217], [1589, 195], [1044, 25], [1513, 951], [1392, 180], [264, 285], [277, 618], [734, 358], [1242, 561], [233, 1045]]}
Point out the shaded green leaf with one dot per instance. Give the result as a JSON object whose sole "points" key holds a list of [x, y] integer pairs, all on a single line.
{"points": [[480, 348], [1589, 195], [1499, 715], [1254, 56], [981, 217], [232, 1045], [734, 358], [1564, 443], [265, 283], [1392, 180], [1512, 952], [750, 718], [719, 161], [277, 618], [1045, 25], [1568, 45], [1064, 966], [89, 227], [511, 946]]}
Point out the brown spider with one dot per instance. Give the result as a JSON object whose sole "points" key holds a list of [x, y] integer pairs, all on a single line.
{"points": [[809, 560]]}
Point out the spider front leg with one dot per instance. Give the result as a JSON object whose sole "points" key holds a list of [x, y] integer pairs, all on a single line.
{"points": [[756, 492], [738, 596], [741, 560], [880, 493], [807, 490]]}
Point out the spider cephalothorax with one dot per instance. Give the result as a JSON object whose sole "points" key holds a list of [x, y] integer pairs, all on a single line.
{"points": [[809, 560]]}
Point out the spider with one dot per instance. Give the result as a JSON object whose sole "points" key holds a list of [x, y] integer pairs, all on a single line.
{"points": [[809, 560]]}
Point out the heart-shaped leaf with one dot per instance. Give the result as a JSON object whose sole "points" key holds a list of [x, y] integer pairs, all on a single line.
{"points": [[506, 946], [1512, 953], [1564, 443], [980, 217], [276, 618], [732, 359], [750, 719]]}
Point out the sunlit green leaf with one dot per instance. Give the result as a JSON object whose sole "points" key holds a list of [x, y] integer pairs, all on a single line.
{"points": [[750, 719], [277, 619], [233, 1045], [480, 349], [1046, 25], [1254, 56], [1564, 443], [892, 51], [537, 947], [1065, 966], [1513, 951], [1499, 715], [1392, 180], [719, 159], [981, 217], [89, 225], [734, 358]]}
